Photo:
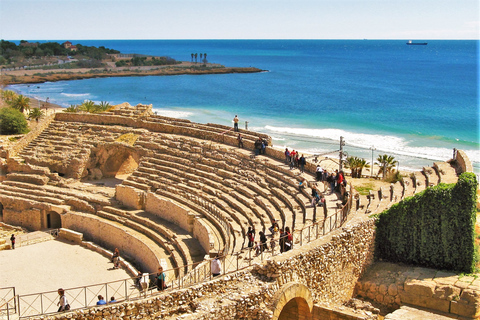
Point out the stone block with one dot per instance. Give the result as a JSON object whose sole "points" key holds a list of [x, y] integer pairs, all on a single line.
{"points": [[446, 292], [413, 299], [392, 290], [438, 304], [420, 288], [472, 297], [382, 289], [464, 310]]}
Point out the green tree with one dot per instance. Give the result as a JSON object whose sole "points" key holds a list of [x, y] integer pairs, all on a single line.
{"points": [[386, 164], [8, 96], [12, 121], [89, 106], [21, 103], [104, 106], [192, 56], [35, 114], [72, 108]]}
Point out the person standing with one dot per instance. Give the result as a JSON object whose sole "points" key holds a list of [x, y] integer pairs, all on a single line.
{"points": [[62, 301], [302, 162], [288, 239], [12, 240], [263, 241], [235, 123], [319, 173], [215, 267], [251, 236], [161, 285], [240, 141]]}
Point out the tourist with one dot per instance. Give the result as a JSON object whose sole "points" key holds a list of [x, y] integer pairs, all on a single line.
{"points": [[12, 240], [315, 196], [116, 259], [297, 160], [240, 140], [281, 241], [288, 239], [302, 184], [325, 210], [235, 123], [161, 284], [339, 179], [274, 228], [251, 236], [258, 146], [112, 300], [302, 162], [331, 180], [287, 156], [263, 241], [273, 243], [264, 145], [62, 301], [101, 301], [319, 173], [215, 267], [292, 159], [258, 248]]}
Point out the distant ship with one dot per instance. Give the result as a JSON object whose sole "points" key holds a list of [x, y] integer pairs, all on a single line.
{"points": [[410, 43]]}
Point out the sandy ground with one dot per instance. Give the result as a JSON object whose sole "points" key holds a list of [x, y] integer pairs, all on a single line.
{"points": [[54, 264]]}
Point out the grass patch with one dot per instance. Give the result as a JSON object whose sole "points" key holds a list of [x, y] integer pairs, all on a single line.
{"points": [[365, 188], [128, 138]]}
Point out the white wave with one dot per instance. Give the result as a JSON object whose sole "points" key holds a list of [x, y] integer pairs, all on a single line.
{"points": [[382, 143], [173, 113], [75, 94]]}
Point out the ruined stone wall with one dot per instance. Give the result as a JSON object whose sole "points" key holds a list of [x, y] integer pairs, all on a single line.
{"points": [[201, 233], [110, 236], [22, 143], [329, 267], [169, 211], [463, 161], [29, 218]]}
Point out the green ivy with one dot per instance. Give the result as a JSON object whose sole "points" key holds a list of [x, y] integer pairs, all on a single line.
{"points": [[435, 228]]}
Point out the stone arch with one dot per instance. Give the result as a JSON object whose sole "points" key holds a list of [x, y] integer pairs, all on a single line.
{"points": [[293, 301], [53, 220]]}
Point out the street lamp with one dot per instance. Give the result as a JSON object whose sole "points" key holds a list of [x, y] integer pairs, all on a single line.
{"points": [[371, 169]]}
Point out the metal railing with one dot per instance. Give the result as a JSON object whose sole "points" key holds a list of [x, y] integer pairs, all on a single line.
{"points": [[129, 289], [28, 238]]}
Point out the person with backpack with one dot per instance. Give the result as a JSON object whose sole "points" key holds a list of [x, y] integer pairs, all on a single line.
{"points": [[62, 302]]}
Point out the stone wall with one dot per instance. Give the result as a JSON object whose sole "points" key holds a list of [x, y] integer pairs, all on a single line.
{"points": [[169, 211], [111, 236], [463, 161], [22, 143], [395, 285], [202, 234], [329, 267]]}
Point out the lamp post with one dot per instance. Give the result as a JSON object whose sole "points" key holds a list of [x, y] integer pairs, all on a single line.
{"points": [[371, 169]]}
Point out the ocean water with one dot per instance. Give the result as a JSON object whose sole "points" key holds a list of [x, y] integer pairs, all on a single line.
{"points": [[416, 103]]}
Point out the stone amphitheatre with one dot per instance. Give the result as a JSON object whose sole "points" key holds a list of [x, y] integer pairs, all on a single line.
{"points": [[173, 193]]}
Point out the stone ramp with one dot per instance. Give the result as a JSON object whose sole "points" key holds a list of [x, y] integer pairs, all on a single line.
{"points": [[412, 313]]}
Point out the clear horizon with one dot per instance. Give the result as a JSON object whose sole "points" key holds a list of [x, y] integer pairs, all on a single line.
{"points": [[240, 19]]}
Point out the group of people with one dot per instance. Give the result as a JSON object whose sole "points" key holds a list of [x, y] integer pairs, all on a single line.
{"points": [[63, 304], [285, 239], [294, 159], [260, 146], [332, 180]]}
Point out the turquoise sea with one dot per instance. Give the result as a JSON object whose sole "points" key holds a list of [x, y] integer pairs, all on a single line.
{"points": [[414, 102]]}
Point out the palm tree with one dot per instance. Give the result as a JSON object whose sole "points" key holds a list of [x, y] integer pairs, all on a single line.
{"points": [[104, 106], [89, 106], [8, 96], [35, 114], [196, 54], [362, 163], [201, 56], [21, 103], [192, 56], [72, 108], [386, 163], [351, 163], [205, 57]]}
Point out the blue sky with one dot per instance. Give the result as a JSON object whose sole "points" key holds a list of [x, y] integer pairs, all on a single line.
{"points": [[238, 19]]}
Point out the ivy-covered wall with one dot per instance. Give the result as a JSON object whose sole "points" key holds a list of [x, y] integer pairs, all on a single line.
{"points": [[435, 228]]}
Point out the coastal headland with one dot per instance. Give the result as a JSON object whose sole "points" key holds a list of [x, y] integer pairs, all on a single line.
{"points": [[40, 76]]}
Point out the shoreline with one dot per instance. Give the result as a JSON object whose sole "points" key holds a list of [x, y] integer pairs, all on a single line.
{"points": [[32, 76]]}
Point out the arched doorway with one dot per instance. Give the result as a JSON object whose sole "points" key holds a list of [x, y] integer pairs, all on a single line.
{"points": [[54, 221], [293, 302]]}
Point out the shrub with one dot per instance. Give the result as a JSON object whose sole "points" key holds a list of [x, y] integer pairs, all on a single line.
{"points": [[12, 121], [435, 228]]}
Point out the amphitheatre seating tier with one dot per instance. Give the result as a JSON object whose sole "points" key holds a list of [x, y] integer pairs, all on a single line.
{"points": [[446, 172]]}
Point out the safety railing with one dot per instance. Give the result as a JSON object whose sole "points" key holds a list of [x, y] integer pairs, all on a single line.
{"points": [[7, 301], [7, 309], [32, 238], [128, 289]]}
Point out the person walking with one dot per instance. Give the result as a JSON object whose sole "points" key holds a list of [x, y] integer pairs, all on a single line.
{"points": [[235, 123], [263, 241], [302, 162], [215, 267], [12, 240], [161, 285], [62, 301], [251, 236]]}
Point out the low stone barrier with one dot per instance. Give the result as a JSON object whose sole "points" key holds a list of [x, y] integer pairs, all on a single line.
{"points": [[394, 285]]}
